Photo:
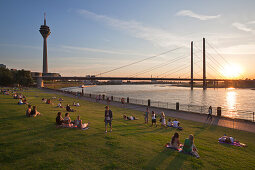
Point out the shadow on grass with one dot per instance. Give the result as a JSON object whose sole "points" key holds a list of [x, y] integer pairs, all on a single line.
{"points": [[178, 161], [158, 159]]}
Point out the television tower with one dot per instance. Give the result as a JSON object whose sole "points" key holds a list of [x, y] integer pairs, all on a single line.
{"points": [[45, 31]]}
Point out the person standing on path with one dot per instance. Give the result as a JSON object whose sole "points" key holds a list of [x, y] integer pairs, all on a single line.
{"points": [[146, 115], [108, 118], [209, 113]]}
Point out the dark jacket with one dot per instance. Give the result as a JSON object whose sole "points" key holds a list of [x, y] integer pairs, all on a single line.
{"points": [[110, 114]]}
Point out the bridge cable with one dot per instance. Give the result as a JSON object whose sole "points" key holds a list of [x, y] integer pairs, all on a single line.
{"points": [[148, 58]]}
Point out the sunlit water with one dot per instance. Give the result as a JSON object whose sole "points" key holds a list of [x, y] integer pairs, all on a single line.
{"points": [[235, 103]]}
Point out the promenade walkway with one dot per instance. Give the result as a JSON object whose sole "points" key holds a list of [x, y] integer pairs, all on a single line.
{"points": [[196, 117]]}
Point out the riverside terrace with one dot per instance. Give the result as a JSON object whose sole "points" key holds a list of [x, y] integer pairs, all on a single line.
{"points": [[131, 144]]}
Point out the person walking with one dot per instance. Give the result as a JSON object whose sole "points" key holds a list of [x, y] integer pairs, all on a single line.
{"points": [[108, 118], [209, 116]]}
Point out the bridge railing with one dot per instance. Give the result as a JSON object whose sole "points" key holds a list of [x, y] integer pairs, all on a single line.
{"points": [[236, 114]]}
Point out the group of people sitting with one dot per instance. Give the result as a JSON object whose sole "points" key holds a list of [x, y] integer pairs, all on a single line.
{"points": [[67, 122], [169, 123], [32, 112], [188, 146], [125, 117]]}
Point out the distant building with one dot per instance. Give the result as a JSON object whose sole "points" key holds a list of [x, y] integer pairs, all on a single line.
{"points": [[2, 66]]}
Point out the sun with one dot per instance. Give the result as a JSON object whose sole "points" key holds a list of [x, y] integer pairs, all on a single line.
{"points": [[232, 71]]}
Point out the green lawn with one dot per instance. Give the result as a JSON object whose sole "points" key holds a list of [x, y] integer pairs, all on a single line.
{"points": [[36, 143]]}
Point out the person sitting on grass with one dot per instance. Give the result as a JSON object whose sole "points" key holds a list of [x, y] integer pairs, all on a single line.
{"points": [[68, 108], [24, 100], [60, 99], [60, 105], [67, 119], [34, 112], [169, 123], [175, 142], [20, 102], [74, 104], [189, 146], [79, 124], [28, 112], [48, 101], [163, 119], [176, 124], [77, 104], [59, 119], [153, 119]]}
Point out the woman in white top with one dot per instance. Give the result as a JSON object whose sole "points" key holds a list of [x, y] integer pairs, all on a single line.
{"points": [[79, 124], [163, 119]]}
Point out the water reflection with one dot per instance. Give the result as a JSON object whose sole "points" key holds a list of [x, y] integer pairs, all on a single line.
{"points": [[231, 102]]}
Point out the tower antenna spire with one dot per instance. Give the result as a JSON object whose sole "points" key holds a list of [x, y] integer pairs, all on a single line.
{"points": [[44, 18]]}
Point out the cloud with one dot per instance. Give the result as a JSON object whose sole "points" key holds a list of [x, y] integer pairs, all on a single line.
{"points": [[195, 15], [239, 49], [242, 27], [96, 50], [156, 36]]}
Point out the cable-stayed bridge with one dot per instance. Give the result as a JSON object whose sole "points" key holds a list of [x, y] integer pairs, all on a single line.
{"points": [[212, 64]]}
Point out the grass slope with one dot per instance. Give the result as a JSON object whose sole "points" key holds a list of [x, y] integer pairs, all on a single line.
{"points": [[36, 143]]}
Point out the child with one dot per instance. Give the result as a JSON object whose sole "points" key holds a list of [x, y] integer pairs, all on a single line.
{"points": [[153, 118], [169, 123]]}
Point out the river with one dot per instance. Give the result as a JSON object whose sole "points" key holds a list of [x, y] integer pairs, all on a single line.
{"points": [[235, 103]]}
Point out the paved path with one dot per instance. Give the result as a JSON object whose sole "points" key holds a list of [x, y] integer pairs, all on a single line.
{"points": [[225, 122]]}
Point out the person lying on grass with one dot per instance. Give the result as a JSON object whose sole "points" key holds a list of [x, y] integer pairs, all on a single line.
{"points": [[59, 119], [28, 112], [68, 108], [129, 117], [34, 112], [175, 142], [189, 146], [79, 124]]}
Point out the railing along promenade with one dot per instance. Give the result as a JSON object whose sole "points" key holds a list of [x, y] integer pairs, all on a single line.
{"points": [[217, 111]]}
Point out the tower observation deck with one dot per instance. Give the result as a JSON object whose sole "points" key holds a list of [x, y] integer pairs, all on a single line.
{"points": [[45, 32]]}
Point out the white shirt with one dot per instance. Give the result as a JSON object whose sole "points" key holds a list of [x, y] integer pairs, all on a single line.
{"points": [[153, 116], [59, 105], [175, 123]]}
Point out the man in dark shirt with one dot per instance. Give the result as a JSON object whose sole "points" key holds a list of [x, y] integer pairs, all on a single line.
{"points": [[108, 118]]}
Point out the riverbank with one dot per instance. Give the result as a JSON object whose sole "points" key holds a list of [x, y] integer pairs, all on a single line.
{"points": [[239, 124], [131, 145]]}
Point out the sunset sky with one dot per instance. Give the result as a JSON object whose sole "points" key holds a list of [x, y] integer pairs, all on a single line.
{"points": [[90, 37]]}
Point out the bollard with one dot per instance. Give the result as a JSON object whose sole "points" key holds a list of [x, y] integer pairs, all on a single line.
{"points": [[149, 102], [177, 105], [111, 98], [219, 111], [90, 95], [127, 99], [253, 116]]}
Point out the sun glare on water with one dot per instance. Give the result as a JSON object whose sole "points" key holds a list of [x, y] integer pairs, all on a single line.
{"points": [[232, 71]]}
